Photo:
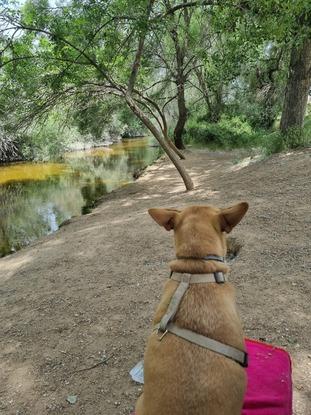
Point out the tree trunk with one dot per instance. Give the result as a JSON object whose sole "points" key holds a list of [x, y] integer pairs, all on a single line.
{"points": [[165, 134], [199, 74], [297, 88], [181, 47], [214, 104], [217, 104], [182, 115], [172, 145], [162, 141], [268, 113]]}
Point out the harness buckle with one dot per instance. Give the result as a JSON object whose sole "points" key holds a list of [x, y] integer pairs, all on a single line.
{"points": [[219, 277], [163, 333]]}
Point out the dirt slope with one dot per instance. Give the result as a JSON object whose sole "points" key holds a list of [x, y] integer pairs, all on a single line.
{"points": [[89, 290]]}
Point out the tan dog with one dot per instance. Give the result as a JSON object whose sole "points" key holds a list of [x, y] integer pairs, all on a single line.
{"points": [[182, 378]]}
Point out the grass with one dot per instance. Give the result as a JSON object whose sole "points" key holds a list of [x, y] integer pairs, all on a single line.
{"points": [[234, 133]]}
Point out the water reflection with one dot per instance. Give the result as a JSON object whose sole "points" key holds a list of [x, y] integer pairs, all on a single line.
{"points": [[36, 198]]}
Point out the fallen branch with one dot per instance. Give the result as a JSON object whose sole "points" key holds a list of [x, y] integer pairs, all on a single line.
{"points": [[102, 362]]}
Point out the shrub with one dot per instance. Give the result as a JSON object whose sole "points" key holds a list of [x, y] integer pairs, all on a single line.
{"points": [[235, 133], [227, 133], [295, 138], [47, 140], [8, 148], [270, 143]]}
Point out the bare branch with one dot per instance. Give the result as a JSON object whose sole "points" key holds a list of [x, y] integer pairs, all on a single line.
{"points": [[156, 83], [174, 9], [9, 44], [189, 61], [168, 101], [192, 69]]}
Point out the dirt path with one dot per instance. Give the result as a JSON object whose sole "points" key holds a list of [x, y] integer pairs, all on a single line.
{"points": [[89, 291]]}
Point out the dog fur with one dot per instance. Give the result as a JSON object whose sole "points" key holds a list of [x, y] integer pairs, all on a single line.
{"points": [[182, 378]]}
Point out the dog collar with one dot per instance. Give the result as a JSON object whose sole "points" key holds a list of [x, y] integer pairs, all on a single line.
{"points": [[217, 277], [206, 258]]}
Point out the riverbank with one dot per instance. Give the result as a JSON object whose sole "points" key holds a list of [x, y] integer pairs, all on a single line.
{"points": [[14, 155], [35, 198], [86, 294]]}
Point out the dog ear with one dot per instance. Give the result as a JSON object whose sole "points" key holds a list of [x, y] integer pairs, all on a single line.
{"points": [[164, 217], [231, 216]]}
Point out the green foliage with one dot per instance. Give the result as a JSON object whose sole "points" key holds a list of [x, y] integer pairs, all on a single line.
{"points": [[258, 92], [307, 125], [227, 133], [74, 57], [96, 117], [233, 132], [8, 149], [275, 142], [270, 143], [78, 55], [131, 125], [47, 140], [296, 138]]}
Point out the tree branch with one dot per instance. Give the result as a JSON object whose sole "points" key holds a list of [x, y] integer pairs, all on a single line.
{"points": [[168, 101], [20, 25], [174, 9], [156, 83], [138, 55], [150, 112]]}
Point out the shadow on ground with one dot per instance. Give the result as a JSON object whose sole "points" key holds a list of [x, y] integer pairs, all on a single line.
{"points": [[87, 293]]}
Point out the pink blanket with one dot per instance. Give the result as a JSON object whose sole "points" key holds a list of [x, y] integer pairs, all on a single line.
{"points": [[269, 389]]}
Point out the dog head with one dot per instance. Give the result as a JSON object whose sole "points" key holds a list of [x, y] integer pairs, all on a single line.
{"points": [[200, 230]]}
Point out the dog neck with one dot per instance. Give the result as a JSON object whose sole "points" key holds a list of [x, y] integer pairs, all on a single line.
{"points": [[197, 266]]}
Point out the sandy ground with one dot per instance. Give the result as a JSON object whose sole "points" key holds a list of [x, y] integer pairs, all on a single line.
{"points": [[87, 292]]}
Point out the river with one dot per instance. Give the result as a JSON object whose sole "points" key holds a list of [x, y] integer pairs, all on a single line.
{"points": [[35, 198]]}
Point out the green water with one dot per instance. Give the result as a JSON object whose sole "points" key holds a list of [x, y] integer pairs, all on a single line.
{"points": [[35, 198]]}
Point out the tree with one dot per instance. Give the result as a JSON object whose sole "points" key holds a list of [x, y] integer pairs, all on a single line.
{"points": [[70, 50], [288, 22], [8, 149], [179, 27], [86, 51], [253, 37], [297, 88]]}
